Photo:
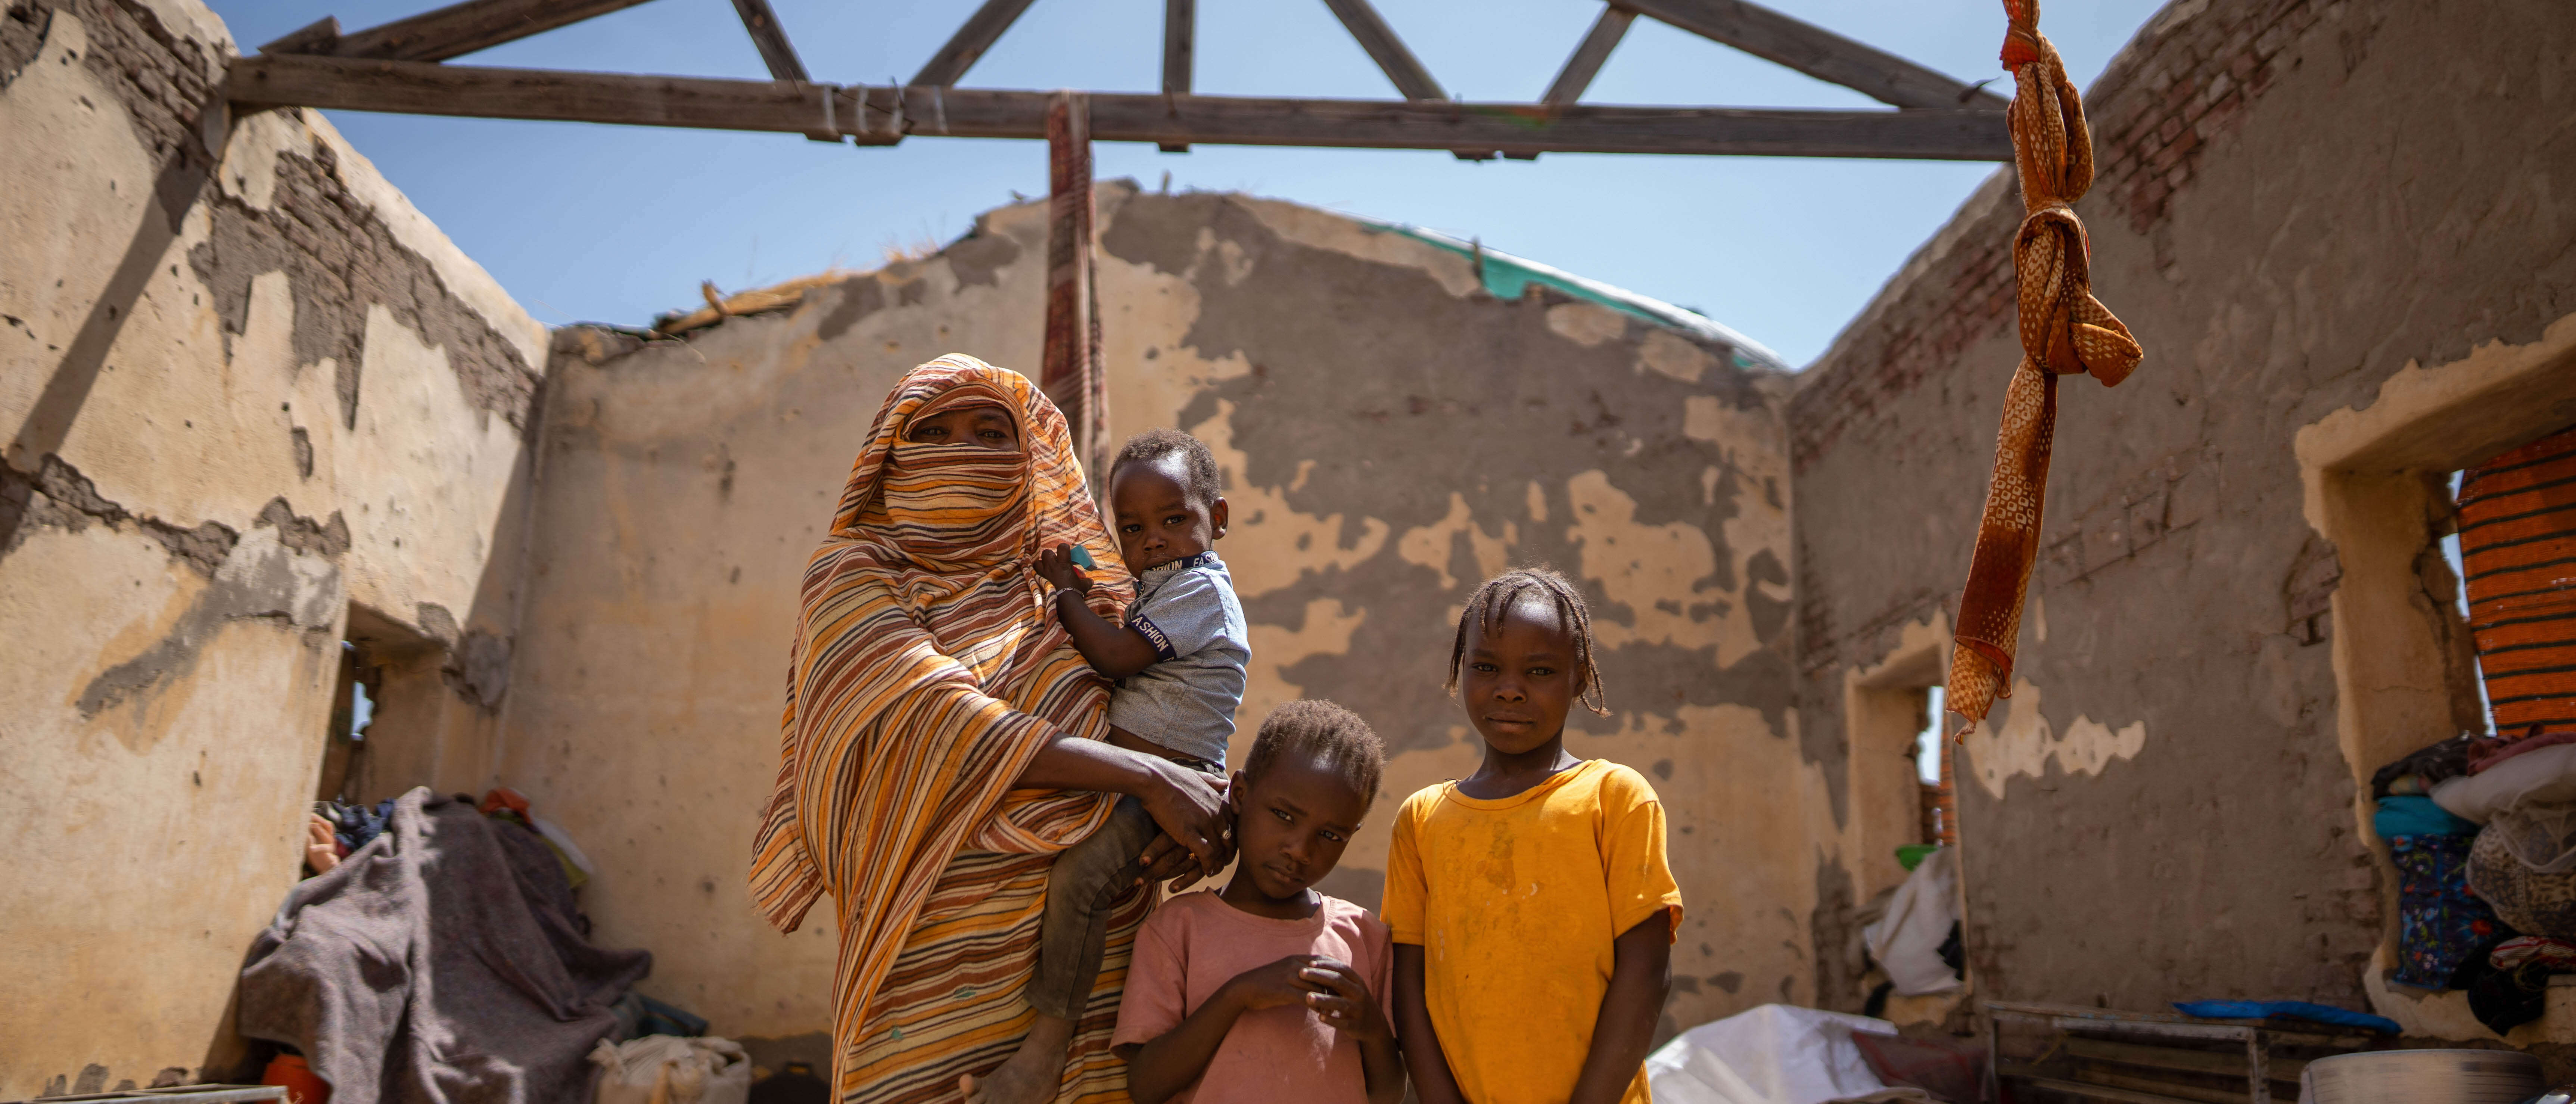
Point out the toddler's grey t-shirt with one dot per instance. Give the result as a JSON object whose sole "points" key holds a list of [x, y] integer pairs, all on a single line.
{"points": [[1187, 699]]}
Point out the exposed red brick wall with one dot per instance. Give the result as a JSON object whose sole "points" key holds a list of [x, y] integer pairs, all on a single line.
{"points": [[2184, 81], [2163, 101]]}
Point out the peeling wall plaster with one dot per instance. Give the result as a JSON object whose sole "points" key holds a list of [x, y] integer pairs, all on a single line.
{"points": [[1389, 437], [244, 390], [2226, 634]]}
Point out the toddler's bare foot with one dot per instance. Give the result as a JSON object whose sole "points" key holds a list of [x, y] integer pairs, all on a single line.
{"points": [[1032, 1074]]}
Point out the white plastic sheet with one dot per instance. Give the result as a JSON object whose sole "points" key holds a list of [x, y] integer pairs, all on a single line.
{"points": [[1775, 1054], [1907, 941], [668, 1069], [2546, 776]]}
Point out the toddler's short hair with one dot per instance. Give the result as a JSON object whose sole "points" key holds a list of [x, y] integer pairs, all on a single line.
{"points": [[1198, 463], [1327, 733]]}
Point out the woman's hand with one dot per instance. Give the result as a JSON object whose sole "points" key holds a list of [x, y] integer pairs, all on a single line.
{"points": [[1343, 1001], [1056, 566], [1190, 808], [1164, 859]]}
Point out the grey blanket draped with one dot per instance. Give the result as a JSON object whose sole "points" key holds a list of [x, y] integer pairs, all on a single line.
{"points": [[438, 964]]}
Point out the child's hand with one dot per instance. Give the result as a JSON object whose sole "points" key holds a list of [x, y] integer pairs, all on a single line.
{"points": [[1056, 565], [321, 851], [1344, 1002], [1281, 984]]}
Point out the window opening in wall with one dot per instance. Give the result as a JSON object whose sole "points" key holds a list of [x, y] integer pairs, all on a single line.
{"points": [[1927, 743], [353, 711], [363, 712], [2460, 596], [1937, 800]]}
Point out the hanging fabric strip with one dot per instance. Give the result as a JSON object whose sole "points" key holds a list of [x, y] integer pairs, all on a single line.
{"points": [[2064, 331]]}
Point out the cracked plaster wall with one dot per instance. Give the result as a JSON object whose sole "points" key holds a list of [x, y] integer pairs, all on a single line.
{"points": [[246, 387], [1390, 435], [2303, 199]]}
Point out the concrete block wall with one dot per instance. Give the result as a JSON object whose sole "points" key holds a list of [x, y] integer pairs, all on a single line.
{"points": [[255, 406]]}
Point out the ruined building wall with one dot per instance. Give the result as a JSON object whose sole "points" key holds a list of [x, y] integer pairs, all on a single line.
{"points": [[256, 404], [2342, 231], [1390, 435]]}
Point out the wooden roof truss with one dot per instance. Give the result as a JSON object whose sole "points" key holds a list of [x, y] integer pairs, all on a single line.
{"points": [[400, 67]]}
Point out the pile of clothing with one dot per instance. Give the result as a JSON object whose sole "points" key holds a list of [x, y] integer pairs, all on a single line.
{"points": [[441, 961], [2483, 833]]}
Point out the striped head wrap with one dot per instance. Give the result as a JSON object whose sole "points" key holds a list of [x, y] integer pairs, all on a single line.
{"points": [[926, 672]]}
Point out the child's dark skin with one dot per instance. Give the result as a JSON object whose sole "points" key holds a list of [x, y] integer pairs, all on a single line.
{"points": [[1291, 825], [1517, 681], [1156, 520]]}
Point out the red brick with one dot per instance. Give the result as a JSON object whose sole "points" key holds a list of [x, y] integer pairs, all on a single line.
{"points": [[2224, 110]]}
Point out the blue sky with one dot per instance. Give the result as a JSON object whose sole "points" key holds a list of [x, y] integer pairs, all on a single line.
{"points": [[612, 224]]}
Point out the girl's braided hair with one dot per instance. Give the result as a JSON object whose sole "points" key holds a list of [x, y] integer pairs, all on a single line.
{"points": [[1324, 732], [1486, 607]]}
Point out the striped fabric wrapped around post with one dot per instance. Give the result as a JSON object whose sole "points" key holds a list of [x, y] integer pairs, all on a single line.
{"points": [[2518, 550], [925, 675]]}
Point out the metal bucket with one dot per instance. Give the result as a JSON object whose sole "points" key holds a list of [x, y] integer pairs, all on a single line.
{"points": [[2422, 1077]]}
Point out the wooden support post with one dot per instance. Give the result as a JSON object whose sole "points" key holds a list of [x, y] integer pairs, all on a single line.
{"points": [[1070, 371], [1180, 44]]}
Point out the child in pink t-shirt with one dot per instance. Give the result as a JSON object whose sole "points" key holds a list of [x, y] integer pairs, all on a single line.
{"points": [[1269, 991]]}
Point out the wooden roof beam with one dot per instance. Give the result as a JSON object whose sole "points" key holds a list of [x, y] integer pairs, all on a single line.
{"points": [[1585, 64], [982, 29], [869, 113], [777, 53], [1180, 44], [771, 39], [1398, 63], [451, 31], [1180, 49], [1819, 53]]}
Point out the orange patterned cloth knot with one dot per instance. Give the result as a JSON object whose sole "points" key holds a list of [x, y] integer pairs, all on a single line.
{"points": [[2064, 331]]}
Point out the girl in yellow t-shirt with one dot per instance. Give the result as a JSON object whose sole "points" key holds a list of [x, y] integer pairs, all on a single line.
{"points": [[1531, 910]]}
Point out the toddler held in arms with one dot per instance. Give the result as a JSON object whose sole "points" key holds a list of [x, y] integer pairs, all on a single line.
{"points": [[1532, 912], [1269, 992], [1179, 662]]}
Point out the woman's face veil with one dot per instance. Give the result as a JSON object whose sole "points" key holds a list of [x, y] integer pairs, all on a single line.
{"points": [[964, 506]]}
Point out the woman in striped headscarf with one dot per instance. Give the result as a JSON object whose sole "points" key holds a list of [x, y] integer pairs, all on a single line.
{"points": [[943, 740]]}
